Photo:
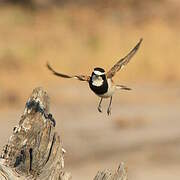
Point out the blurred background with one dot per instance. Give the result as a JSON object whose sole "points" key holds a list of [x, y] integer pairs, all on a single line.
{"points": [[76, 36]]}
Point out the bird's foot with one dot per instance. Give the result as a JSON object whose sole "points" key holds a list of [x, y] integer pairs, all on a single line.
{"points": [[109, 111], [100, 109]]}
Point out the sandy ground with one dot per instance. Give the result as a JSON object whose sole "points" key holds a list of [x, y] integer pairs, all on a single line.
{"points": [[143, 131]]}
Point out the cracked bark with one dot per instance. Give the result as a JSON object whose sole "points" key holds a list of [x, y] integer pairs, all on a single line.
{"points": [[34, 151]]}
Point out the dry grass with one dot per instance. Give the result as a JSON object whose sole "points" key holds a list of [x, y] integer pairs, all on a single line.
{"points": [[144, 122], [75, 40]]}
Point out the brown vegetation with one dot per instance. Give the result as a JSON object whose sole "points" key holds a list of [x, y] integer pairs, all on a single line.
{"points": [[76, 38], [143, 130]]}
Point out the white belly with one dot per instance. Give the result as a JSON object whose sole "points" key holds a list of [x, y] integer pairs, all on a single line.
{"points": [[111, 90]]}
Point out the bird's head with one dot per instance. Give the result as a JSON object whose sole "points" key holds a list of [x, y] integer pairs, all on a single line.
{"points": [[99, 71], [98, 76]]}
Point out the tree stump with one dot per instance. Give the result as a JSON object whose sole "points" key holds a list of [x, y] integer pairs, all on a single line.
{"points": [[120, 174], [34, 151]]}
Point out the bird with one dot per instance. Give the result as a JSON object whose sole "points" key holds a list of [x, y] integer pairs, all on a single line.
{"points": [[101, 82]]}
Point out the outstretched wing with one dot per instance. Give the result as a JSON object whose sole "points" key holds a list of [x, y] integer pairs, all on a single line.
{"points": [[79, 77], [122, 62]]}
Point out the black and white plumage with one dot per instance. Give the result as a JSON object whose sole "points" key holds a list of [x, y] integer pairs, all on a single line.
{"points": [[100, 82]]}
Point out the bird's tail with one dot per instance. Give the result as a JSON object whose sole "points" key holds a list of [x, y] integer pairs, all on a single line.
{"points": [[122, 87]]}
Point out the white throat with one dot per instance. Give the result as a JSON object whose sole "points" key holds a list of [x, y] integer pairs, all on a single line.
{"points": [[97, 81]]}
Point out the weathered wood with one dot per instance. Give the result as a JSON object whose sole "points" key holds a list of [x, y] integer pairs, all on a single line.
{"points": [[120, 174], [34, 151]]}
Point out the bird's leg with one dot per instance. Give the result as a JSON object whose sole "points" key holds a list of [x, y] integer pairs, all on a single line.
{"points": [[99, 106], [109, 107]]}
